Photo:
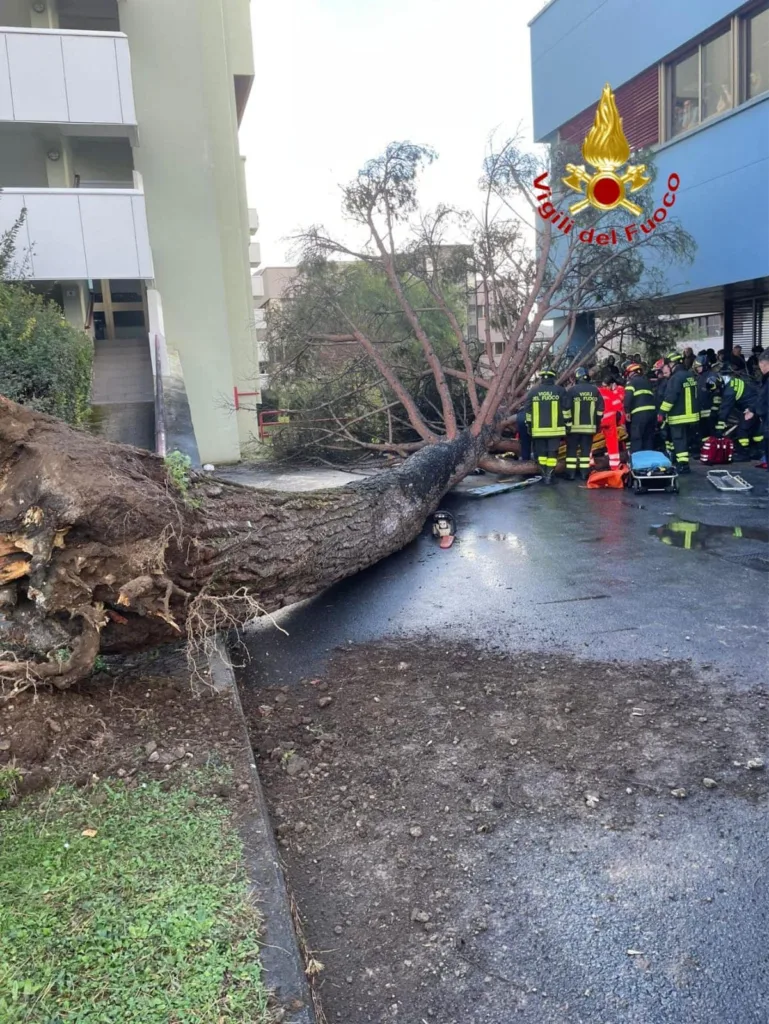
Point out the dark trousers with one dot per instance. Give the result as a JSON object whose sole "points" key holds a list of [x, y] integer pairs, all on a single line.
{"points": [[524, 436], [679, 439], [575, 442], [545, 451], [642, 428]]}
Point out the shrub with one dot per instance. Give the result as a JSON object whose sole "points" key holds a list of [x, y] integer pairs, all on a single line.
{"points": [[45, 363]]}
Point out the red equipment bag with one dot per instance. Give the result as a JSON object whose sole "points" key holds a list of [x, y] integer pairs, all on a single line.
{"points": [[716, 451]]}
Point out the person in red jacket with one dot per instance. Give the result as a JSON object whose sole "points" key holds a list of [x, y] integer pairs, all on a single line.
{"points": [[613, 416]]}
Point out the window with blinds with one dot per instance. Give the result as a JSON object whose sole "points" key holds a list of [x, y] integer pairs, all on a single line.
{"points": [[638, 105]]}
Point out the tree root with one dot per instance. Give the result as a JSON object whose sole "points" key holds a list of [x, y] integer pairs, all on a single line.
{"points": [[64, 668]]}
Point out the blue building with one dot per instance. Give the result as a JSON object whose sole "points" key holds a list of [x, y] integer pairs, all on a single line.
{"points": [[691, 79]]}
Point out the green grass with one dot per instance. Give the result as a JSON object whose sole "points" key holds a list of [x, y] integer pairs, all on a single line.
{"points": [[148, 922]]}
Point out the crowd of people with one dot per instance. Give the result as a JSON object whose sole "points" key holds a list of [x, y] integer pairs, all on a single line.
{"points": [[673, 406]]}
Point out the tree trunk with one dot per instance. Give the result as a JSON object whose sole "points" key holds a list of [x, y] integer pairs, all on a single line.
{"points": [[98, 551]]}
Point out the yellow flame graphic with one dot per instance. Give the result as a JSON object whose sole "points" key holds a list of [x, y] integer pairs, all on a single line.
{"points": [[606, 146]]}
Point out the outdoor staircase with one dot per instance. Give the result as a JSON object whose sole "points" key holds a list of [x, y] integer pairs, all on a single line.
{"points": [[123, 393]]}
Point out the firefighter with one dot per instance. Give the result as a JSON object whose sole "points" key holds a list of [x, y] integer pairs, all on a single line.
{"points": [[738, 395], [659, 377], [759, 407], [709, 399], [586, 404], [547, 413], [679, 409], [640, 409]]}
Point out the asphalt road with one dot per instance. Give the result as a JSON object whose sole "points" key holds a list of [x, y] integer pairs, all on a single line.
{"points": [[566, 569], [666, 921]]}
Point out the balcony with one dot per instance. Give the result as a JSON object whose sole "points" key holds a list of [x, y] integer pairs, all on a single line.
{"points": [[54, 76], [253, 220], [257, 286], [79, 234], [254, 254]]}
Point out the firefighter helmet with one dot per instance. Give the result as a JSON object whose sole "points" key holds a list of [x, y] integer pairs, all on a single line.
{"points": [[547, 374], [581, 373], [674, 357], [632, 368], [714, 382]]}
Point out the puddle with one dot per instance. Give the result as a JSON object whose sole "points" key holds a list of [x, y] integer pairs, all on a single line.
{"points": [[715, 540]]}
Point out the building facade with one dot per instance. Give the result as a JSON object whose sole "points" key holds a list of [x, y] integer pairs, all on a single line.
{"points": [[119, 139], [691, 81]]}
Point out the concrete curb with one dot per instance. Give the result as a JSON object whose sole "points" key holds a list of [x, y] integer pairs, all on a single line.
{"points": [[280, 954]]}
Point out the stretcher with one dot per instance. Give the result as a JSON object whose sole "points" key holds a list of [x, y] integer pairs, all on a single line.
{"points": [[652, 471], [725, 480]]}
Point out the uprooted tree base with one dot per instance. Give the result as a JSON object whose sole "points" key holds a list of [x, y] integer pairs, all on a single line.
{"points": [[98, 551]]}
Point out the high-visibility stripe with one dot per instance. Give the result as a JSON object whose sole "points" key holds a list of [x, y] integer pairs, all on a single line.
{"points": [[738, 531], [643, 408], [666, 406], [684, 418], [689, 389], [642, 391]]}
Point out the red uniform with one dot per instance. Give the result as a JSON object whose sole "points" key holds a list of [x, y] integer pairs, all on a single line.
{"points": [[613, 404]]}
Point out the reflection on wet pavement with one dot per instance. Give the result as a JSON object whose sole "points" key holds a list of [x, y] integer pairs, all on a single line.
{"points": [[691, 535]]}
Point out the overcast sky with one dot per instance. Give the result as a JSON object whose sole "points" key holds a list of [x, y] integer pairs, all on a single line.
{"points": [[336, 80]]}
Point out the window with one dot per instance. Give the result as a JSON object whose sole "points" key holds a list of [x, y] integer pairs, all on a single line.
{"points": [[702, 83], [686, 93], [716, 75], [757, 53], [716, 63]]}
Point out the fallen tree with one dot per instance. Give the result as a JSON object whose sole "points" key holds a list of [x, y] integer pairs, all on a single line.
{"points": [[99, 551]]}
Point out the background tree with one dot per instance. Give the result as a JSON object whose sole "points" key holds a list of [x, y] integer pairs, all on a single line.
{"points": [[99, 549]]}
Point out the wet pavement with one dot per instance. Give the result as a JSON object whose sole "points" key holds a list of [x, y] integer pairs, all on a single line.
{"points": [[664, 920], [599, 573]]}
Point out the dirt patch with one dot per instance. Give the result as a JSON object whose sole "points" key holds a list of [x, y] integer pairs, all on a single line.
{"points": [[391, 779], [140, 716]]}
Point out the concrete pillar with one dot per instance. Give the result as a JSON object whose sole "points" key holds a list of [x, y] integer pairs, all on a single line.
{"points": [[48, 17], [75, 298], [728, 328], [582, 339], [59, 172]]}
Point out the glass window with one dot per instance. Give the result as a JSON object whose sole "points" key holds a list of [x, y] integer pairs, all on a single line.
{"points": [[716, 65], [758, 53], [686, 93]]}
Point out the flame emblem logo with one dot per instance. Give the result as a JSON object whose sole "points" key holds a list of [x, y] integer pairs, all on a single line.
{"points": [[606, 148]]}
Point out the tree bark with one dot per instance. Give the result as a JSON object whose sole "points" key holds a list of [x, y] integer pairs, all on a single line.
{"points": [[98, 551]]}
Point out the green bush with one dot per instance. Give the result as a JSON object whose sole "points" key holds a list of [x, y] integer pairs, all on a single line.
{"points": [[45, 363]]}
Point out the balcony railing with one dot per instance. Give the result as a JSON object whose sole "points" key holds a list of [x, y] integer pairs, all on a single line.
{"points": [[55, 76], [78, 234]]}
